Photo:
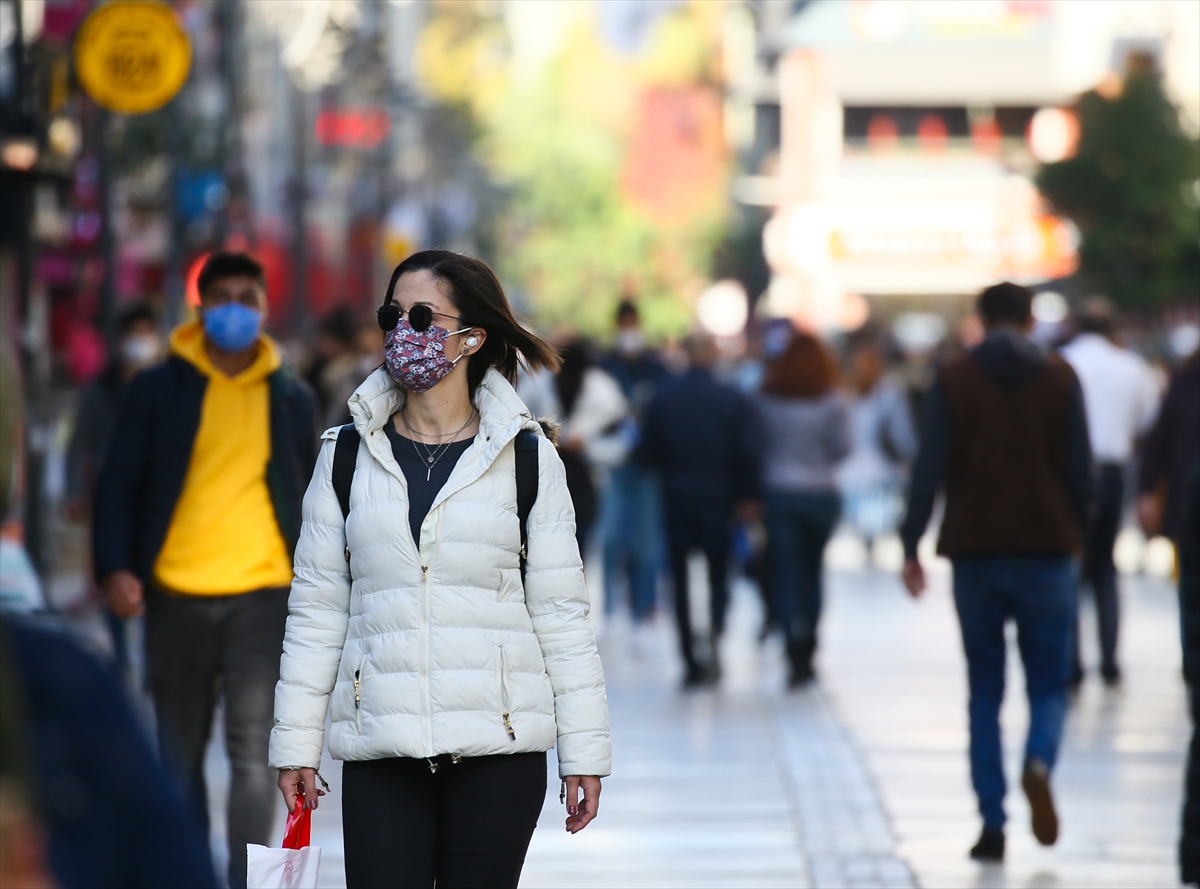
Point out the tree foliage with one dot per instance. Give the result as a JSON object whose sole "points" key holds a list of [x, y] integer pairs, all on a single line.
{"points": [[1133, 189], [557, 137]]}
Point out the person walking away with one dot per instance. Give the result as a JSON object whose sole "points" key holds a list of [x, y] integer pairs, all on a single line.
{"points": [[807, 433], [883, 443], [197, 510], [631, 512], [1169, 504], [439, 613], [1005, 434], [1189, 609], [138, 346], [704, 440], [1121, 398], [593, 409], [1168, 454]]}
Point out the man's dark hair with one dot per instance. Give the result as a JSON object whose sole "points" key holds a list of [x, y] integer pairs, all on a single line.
{"points": [[627, 309], [1096, 316], [1005, 303], [137, 313], [229, 265]]}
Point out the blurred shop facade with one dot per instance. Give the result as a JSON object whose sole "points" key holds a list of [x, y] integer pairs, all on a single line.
{"points": [[298, 133], [909, 135]]}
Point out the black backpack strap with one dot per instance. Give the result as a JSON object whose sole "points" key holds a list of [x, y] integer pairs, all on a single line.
{"points": [[345, 455], [526, 445]]}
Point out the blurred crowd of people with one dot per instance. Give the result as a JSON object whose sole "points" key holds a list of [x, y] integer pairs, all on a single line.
{"points": [[750, 459]]}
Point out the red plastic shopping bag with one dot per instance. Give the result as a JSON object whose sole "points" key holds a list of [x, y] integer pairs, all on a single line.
{"points": [[297, 833], [295, 866]]}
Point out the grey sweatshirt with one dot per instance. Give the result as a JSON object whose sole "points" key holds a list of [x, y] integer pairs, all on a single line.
{"points": [[806, 439]]}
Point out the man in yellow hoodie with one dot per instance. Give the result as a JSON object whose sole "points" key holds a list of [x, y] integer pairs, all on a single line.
{"points": [[196, 514]]}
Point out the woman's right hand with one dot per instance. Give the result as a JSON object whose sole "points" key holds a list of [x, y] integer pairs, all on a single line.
{"points": [[299, 784]]}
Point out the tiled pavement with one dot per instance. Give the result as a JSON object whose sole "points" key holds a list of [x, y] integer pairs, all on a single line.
{"points": [[861, 780]]}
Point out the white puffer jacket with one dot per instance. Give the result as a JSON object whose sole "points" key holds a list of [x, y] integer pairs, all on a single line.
{"points": [[443, 641]]}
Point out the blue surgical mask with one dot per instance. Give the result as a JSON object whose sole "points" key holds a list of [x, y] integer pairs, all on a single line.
{"points": [[232, 327]]}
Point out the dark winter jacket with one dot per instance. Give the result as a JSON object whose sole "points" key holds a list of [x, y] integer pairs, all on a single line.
{"points": [[705, 439], [1173, 446], [1005, 433], [147, 462], [112, 815]]}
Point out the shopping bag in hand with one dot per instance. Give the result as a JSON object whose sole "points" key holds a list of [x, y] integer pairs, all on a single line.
{"points": [[294, 866]]}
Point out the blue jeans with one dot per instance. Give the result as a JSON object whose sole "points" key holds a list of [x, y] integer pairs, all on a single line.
{"points": [[798, 527], [632, 530], [1038, 592]]}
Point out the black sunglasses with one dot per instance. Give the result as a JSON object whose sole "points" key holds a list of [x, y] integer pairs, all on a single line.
{"points": [[420, 316]]}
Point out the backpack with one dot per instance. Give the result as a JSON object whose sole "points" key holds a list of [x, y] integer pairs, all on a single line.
{"points": [[345, 456]]}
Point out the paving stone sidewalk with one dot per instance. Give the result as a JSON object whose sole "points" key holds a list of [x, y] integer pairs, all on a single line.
{"points": [[860, 780]]}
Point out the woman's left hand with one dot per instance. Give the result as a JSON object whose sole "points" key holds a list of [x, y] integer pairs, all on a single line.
{"points": [[580, 815]]}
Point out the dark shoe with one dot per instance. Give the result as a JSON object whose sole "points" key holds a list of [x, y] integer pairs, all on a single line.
{"points": [[1111, 676], [990, 846], [701, 675], [800, 657], [1035, 781]]}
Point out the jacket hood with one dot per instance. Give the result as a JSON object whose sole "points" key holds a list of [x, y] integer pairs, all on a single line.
{"points": [[502, 414], [187, 342], [1009, 358]]}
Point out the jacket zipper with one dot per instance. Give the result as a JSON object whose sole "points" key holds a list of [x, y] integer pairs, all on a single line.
{"points": [[358, 691], [505, 702]]}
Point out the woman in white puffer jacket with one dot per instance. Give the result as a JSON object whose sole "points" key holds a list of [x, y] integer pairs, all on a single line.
{"points": [[447, 677]]}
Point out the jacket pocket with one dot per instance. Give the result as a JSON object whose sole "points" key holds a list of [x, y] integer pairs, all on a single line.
{"points": [[508, 585], [505, 696]]}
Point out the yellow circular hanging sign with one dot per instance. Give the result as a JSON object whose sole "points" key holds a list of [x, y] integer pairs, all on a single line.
{"points": [[132, 56]]}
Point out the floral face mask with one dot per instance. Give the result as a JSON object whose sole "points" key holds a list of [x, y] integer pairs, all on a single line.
{"points": [[417, 359]]}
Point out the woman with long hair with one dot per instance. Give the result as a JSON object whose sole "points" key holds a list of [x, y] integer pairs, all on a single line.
{"points": [[593, 407], [807, 435], [451, 653]]}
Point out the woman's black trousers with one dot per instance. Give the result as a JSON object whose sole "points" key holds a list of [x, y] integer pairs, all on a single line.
{"points": [[467, 824]]}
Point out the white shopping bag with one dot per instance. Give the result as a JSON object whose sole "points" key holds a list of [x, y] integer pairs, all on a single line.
{"points": [[268, 868], [294, 866]]}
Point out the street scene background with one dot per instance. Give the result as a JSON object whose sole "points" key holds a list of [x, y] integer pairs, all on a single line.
{"points": [[745, 170]]}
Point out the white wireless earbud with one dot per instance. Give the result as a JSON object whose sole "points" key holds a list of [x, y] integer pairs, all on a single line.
{"points": [[472, 341]]}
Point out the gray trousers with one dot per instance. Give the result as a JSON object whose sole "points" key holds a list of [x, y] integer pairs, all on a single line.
{"points": [[201, 649]]}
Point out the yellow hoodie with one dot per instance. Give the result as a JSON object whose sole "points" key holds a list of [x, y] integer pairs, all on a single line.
{"points": [[224, 537]]}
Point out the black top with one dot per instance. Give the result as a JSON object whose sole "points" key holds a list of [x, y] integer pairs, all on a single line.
{"points": [[424, 479]]}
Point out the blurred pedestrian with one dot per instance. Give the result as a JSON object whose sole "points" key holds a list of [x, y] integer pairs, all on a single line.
{"points": [[333, 372], [110, 816], [593, 408], [1169, 452], [1121, 397], [139, 345], [449, 680], [631, 513], [807, 434], [1189, 610], [883, 442], [197, 511], [704, 440], [1005, 434]]}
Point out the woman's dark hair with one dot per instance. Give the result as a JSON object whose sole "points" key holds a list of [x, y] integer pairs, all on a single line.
{"points": [[806, 369], [480, 300]]}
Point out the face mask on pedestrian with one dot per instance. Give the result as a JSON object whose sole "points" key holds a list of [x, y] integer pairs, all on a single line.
{"points": [[140, 350], [232, 327], [416, 359], [630, 342]]}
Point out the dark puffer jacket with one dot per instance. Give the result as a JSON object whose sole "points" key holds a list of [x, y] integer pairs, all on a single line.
{"points": [[147, 462]]}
